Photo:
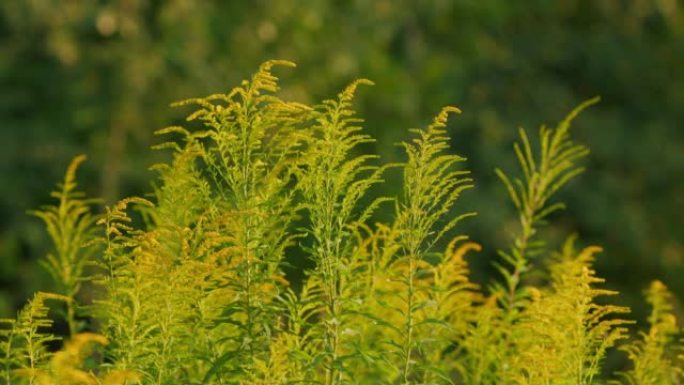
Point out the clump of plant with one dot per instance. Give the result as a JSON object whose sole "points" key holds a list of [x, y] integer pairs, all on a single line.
{"points": [[190, 288]]}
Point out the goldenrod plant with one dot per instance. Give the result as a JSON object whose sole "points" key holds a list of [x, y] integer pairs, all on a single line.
{"points": [[66, 367], [70, 226], [432, 186], [544, 173], [654, 353], [564, 333], [188, 284], [333, 181], [25, 340]]}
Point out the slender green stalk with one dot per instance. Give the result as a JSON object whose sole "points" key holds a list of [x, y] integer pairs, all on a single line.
{"points": [[542, 178], [333, 182], [71, 226], [431, 188]]}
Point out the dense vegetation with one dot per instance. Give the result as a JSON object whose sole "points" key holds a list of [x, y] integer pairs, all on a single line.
{"points": [[95, 76], [189, 285]]}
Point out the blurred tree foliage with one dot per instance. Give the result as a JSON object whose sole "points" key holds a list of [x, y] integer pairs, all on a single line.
{"points": [[97, 77]]}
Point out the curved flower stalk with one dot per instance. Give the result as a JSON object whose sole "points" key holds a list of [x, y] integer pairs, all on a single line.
{"points": [[71, 226], [654, 353], [544, 174]]}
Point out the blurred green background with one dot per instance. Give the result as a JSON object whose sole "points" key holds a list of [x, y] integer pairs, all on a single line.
{"points": [[96, 77]]}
